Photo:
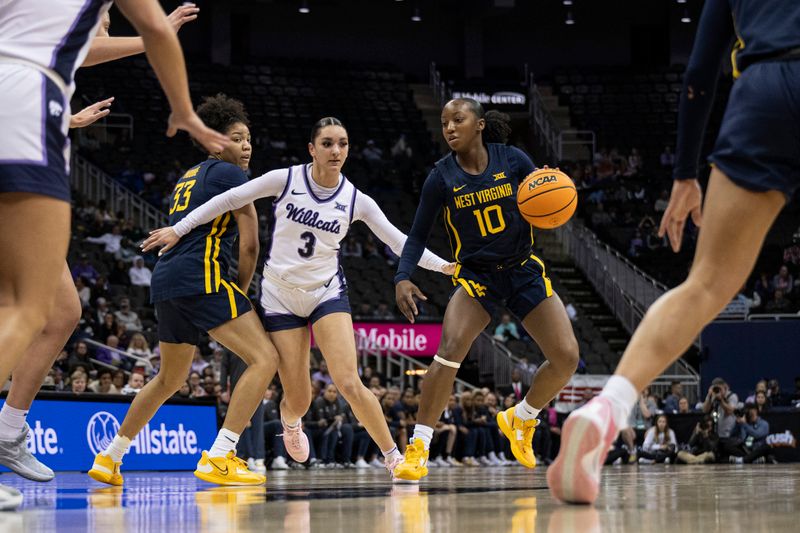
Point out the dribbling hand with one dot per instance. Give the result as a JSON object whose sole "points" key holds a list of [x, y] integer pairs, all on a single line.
{"points": [[404, 293], [163, 238], [91, 114], [686, 199], [213, 141]]}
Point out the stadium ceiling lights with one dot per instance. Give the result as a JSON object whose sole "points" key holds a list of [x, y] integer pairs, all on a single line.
{"points": [[686, 19], [304, 9], [566, 2], [570, 21], [416, 17]]}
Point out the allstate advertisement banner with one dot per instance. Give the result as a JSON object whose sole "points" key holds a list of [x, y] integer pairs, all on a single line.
{"points": [[580, 386], [66, 435]]}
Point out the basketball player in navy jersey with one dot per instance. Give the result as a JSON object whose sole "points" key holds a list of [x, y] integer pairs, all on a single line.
{"points": [[28, 376], [41, 45], [193, 294], [756, 167], [476, 184]]}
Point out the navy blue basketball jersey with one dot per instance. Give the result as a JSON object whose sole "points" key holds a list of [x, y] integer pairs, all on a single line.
{"points": [[199, 263], [480, 212], [764, 28]]}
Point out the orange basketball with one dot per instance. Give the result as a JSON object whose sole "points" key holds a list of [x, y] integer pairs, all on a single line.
{"points": [[547, 198]]}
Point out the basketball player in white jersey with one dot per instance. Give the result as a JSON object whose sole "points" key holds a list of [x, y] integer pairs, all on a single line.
{"points": [[42, 43], [303, 281]]}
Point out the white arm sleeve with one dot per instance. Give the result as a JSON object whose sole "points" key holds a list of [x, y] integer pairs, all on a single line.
{"points": [[367, 210], [270, 184]]}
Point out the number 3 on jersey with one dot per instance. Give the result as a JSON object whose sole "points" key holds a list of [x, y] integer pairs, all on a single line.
{"points": [[183, 192], [308, 250], [485, 222]]}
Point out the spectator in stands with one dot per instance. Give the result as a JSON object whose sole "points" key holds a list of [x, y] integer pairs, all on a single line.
{"points": [[761, 385], [109, 354], [198, 362], [506, 329], [721, 404], [675, 394], [363, 445], [753, 432], [185, 392], [636, 245], [134, 385], [467, 428], [119, 274], [106, 328], [196, 384], [80, 358], [776, 397], [779, 303], [601, 218], [371, 152], [322, 375], [517, 389], [401, 148], [78, 382], [397, 427], [84, 293], [370, 247], [683, 406], [702, 444], [364, 311], [634, 161], [444, 435], [84, 269], [406, 407], [764, 287], [86, 324], [527, 368], [791, 254], [127, 317], [761, 401], [210, 386], [329, 416], [103, 385], [101, 289], [382, 312], [351, 247], [662, 202], [660, 444], [62, 361], [112, 241], [783, 281], [140, 275], [667, 158], [639, 421]]}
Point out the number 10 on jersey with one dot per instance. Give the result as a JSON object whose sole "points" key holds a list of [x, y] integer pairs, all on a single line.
{"points": [[490, 220]]}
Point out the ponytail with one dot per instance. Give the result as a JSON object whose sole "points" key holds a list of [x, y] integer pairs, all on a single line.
{"points": [[498, 127]]}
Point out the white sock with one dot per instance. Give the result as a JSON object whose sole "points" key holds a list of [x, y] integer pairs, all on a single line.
{"points": [[622, 395], [393, 451], [423, 433], [12, 421], [118, 447], [226, 442], [526, 411], [288, 425]]}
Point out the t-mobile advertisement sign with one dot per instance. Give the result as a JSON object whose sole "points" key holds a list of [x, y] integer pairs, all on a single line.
{"points": [[415, 340]]}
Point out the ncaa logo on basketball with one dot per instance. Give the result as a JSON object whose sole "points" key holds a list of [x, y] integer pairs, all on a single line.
{"points": [[100, 431], [541, 181]]}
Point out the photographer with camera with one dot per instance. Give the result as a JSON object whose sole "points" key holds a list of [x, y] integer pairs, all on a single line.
{"points": [[702, 444], [753, 431], [721, 404]]}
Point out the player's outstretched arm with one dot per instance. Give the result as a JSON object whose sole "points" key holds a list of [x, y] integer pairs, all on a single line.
{"points": [[166, 57], [367, 210], [106, 48]]}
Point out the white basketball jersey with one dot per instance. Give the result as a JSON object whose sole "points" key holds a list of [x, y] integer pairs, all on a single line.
{"points": [[53, 35], [305, 239]]}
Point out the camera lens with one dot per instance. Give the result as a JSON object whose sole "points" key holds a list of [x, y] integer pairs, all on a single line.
{"points": [[715, 389]]}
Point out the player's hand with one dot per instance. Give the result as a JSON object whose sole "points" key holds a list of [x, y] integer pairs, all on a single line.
{"points": [[213, 141], [183, 14], [686, 199], [90, 115], [163, 238], [404, 293], [449, 269]]}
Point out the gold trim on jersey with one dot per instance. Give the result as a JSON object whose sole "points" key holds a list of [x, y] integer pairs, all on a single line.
{"points": [[210, 262], [548, 286], [231, 298], [455, 233], [738, 46]]}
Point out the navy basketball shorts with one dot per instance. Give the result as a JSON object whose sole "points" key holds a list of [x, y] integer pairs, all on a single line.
{"points": [[519, 289], [758, 146], [182, 320], [35, 115]]}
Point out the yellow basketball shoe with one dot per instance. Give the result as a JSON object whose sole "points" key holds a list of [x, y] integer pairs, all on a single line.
{"points": [[106, 470], [415, 464], [520, 434], [228, 470]]}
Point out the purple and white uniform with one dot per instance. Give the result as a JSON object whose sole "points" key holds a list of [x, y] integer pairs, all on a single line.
{"points": [[303, 280], [42, 44]]}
